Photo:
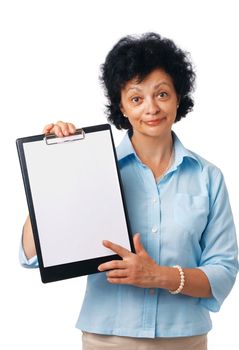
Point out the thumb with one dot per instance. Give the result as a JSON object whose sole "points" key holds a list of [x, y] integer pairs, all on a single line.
{"points": [[139, 248]]}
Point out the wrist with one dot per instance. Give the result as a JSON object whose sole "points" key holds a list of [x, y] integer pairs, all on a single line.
{"points": [[169, 278], [182, 280]]}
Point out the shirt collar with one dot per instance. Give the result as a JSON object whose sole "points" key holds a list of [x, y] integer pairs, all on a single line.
{"points": [[126, 149], [181, 153]]}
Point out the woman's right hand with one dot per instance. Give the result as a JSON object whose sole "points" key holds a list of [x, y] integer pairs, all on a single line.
{"points": [[60, 129]]}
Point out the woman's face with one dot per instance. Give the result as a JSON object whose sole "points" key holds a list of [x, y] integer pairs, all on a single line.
{"points": [[150, 105]]}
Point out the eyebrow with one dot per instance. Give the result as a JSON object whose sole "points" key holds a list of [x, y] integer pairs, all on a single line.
{"points": [[155, 87]]}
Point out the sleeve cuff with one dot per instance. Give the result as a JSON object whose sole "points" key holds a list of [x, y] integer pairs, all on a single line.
{"points": [[24, 261], [221, 283]]}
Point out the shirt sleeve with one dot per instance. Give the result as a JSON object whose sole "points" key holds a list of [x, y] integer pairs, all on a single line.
{"points": [[28, 263], [219, 259]]}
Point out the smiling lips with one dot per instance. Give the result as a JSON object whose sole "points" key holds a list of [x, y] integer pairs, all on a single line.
{"points": [[154, 122]]}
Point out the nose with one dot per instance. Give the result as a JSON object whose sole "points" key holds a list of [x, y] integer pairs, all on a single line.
{"points": [[152, 106]]}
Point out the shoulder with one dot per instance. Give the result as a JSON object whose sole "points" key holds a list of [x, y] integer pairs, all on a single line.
{"points": [[205, 164], [211, 175], [207, 167], [193, 161]]}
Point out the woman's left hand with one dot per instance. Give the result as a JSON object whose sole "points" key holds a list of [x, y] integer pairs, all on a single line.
{"points": [[137, 269]]}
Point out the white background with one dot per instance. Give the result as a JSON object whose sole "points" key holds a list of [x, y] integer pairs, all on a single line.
{"points": [[49, 66]]}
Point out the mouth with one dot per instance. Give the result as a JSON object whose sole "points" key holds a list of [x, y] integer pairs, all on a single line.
{"points": [[154, 122]]}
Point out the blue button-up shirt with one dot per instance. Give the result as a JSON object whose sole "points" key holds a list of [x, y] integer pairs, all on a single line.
{"points": [[184, 219]]}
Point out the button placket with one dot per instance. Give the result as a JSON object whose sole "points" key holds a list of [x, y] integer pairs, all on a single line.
{"points": [[154, 228], [152, 291]]}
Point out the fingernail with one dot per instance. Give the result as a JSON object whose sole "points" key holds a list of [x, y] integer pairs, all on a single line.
{"points": [[105, 242]]}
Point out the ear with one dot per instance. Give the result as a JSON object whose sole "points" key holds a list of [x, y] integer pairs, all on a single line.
{"points": [[178, 100], [122, 110]]}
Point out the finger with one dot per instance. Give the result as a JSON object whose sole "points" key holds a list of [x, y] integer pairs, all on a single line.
{"points": [[118, 280], [53, 129], [114, 264], [57, 131], [60, 129], [118, 273], [64, 128], [121, 251], [139, 248], [47, 128], [72, 128]]}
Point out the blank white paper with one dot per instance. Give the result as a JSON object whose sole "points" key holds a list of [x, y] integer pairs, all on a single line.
{"points": [[76, 197]]}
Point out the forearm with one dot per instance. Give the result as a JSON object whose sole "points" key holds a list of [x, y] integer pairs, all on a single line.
{"points": [[140, 270], [27, 239], [196, 282]]}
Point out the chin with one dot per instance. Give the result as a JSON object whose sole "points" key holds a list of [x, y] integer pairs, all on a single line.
{"points": [[153, 133]]}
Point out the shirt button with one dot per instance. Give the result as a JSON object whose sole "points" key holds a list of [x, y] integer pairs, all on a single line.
{"points": [[154, 200], [152, 291], [154, 229]]}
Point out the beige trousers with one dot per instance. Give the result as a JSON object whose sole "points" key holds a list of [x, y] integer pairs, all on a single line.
{"points": [[92, 341]]}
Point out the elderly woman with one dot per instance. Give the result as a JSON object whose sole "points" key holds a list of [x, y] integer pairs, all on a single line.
{"points": [[185, 260]]}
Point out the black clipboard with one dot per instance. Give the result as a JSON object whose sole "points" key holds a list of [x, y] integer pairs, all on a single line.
{"points": [[75, 200]]}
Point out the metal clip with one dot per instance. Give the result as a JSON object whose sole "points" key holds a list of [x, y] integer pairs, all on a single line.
{"points": [[52, 139]]}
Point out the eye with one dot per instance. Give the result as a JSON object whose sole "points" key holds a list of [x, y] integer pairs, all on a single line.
{"points": [[135, 99], [162, 94]]}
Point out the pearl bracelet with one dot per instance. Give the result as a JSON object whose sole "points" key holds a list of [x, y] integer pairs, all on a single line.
{"points": [[182, 281]]}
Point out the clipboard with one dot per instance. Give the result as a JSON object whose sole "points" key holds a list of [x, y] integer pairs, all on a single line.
{"points": [[75, 200]]}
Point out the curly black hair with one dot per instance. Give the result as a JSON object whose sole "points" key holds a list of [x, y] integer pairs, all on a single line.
{"points": [[136, 57]]}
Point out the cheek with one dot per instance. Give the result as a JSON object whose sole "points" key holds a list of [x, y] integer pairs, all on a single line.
{"points": [[171, 111], [133, 114], [133, 120]]}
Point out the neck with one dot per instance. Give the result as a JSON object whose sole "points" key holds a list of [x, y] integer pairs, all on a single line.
{"points": [[153, 149], [155, 152]]}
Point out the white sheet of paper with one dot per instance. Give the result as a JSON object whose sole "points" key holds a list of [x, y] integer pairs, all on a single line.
{"points": [[76, 197]]}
